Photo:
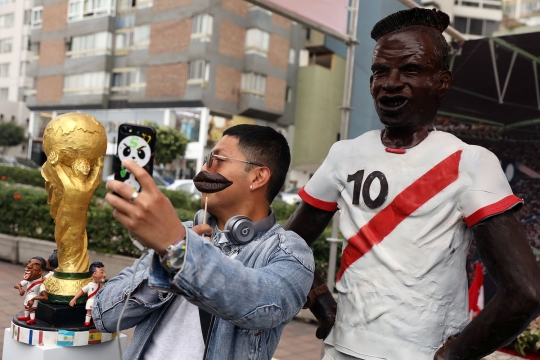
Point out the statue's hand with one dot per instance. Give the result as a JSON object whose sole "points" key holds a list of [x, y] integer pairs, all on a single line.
{"points": [[441, 353], [100, 162], [53, 158]]}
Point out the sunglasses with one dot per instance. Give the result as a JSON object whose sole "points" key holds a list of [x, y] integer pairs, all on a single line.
{"points": [[209, 160]]}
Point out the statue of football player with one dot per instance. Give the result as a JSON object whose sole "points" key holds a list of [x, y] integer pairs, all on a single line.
{"points": [[32, 285], [98, 277], [410, 199]]}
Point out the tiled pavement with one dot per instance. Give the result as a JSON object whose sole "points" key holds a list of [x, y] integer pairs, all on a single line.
{"points": [[298, 341]]}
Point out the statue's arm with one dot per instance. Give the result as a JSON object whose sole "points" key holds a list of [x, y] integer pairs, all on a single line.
{"points": [[309, 222], [94, 178], [505, 252]]}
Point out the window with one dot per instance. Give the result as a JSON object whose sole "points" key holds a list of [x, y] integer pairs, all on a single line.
{"points": [[126, 79], [82, 9], [288, 94], [37, 17], [22, 71], [4, 70], [4, 93], [253, 83], [90, 44], [292, 56], [25, 43], [5, 45], [125, 20], [199, 72], [201, 28], [27, 17], [87, 83], [6, 20], [470, 3], [257, 42], [126, 5], [491, 6], [134, 38], [475, 26]]}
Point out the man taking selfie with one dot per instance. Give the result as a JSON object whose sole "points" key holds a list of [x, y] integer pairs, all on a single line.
{"points": [[227, 298]]}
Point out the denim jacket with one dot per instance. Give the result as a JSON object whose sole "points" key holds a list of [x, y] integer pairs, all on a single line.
{"points": [[252, 296]]}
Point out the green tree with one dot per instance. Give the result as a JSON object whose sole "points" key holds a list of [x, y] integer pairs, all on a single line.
{"points": [[171, 144], [11, 134]]}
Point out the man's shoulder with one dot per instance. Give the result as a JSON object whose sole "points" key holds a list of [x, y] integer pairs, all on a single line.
{"points": [[292, 244]]}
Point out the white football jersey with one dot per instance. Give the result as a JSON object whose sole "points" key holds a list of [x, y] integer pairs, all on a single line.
{"points": [[406, 215], [33, 288]]}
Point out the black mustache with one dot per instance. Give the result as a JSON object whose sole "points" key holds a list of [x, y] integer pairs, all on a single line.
{"points": [[209, 183]]}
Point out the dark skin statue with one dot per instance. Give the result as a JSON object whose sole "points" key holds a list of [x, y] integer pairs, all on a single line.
{"points": [[407, 85]]}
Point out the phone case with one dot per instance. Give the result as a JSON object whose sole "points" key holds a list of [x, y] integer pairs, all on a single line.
{"points": [[138, 143]]}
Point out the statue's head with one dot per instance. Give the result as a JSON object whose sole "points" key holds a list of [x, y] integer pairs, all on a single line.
{"points": [[77, 139], [410, 67]]}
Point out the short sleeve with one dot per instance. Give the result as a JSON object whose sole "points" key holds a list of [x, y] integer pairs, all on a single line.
{"points": [[322, 191], [86, 288], [488, 192]]}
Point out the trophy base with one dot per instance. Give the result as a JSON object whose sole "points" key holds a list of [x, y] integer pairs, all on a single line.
{"points": [[61, 288], [60, 315]]}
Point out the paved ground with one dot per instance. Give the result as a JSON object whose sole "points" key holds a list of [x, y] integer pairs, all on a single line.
{"points": [[298, 341]]}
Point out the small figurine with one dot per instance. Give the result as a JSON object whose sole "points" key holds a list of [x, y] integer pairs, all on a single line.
{"points": [[52, 263], [98, 276], [32, 285]]}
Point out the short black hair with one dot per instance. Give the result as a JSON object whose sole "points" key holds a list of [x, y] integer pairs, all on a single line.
{"points": [[263, 144], [53, 259], [417, 19], [95, 265], [42, 261]]}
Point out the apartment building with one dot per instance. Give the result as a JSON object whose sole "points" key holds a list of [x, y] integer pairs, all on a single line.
{"points": [[199, 66], [473, 18], [526, 12], [15, 18]]}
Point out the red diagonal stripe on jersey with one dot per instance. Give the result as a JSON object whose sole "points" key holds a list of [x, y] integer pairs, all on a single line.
{"points": [[407, 202]]}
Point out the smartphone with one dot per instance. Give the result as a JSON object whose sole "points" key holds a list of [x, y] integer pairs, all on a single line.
{"points": [[137, 143]]}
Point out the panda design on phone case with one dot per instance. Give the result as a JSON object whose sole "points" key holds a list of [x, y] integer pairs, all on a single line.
{"points": [[137, 149]]}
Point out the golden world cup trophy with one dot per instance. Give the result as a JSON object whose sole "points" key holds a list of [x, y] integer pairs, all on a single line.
{"points": [[57, 308], [75, 145]]}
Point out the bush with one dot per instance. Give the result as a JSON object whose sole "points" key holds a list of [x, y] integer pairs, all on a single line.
{"points": [[21, 176], [24, 212]]}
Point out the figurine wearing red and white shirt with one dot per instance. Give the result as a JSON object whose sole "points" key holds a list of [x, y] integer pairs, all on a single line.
{"points": [[98, 276], [32, 286]]}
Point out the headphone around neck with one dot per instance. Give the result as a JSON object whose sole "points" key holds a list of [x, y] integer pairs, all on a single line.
{"points": [[239, 229]]}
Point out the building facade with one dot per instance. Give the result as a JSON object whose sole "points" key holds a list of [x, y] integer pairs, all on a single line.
{"points": [[199, 66], [526, 12], [15, 19]]}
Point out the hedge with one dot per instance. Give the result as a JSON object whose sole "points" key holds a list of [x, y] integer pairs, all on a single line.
{"points": [[24, 212]]}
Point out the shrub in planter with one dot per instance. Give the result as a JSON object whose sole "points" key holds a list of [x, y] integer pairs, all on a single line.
{"points": [[24, 212], [21, 176]]}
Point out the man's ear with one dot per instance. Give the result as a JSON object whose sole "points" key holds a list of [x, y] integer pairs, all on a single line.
{"points": [[444, 80], [371, 85], [261, 178]]}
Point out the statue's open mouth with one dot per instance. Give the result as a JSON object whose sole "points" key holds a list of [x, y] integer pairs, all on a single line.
{"points": [[209, 183]]}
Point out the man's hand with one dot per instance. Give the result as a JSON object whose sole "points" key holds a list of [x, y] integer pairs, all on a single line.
{"points": [[150, 218], [440, 354], [203, 230], [30, 303]]}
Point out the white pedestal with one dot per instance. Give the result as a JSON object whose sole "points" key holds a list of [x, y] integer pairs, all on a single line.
{"points": [[14, 350]]}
